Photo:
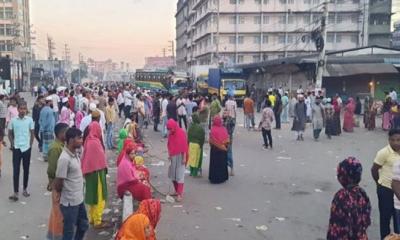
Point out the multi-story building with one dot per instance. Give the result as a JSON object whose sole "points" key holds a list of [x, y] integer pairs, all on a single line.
{"points": [[159, 62], [380, 12], [15, 39], [396, 35], [243, 31]]}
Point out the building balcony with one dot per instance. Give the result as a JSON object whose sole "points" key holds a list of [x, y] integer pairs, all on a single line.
{"points": [[379, 29]]}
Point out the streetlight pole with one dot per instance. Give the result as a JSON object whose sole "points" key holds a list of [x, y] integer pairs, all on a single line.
{"points": [[321, 64]]}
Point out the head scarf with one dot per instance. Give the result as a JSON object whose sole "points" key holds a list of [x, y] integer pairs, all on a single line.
{"points": [[152, 209], [133, 228], [218, 134], [196, 133], [177, 140], [351, 209], [351, 105], [123, 134], [126, 169], [125, 147], [94, 156]]}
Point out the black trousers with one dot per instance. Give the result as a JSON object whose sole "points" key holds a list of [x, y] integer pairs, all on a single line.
{"points": [[386, 210], [120, 109], [25, 157], [277, 120], [156, 122], [180, 118], [2, 128], [266, 134], [37, 136], [127, 111]]}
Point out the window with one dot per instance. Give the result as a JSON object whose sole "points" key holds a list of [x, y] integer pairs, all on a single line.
{"points": [[266, 1], [290, 19], [330, 38], [282, 1], [257, 20], [257, 2], [338, 38], [256, 58], [282, 19], [307, 1], [339, 18], [281, 38], [2, 45], [232, 19], [8, 12], [289, 39], [331, 18], [315, 1], [241, 19], [354, 18], [232, 39], [240, 39], [265, 39], [290, 1], [9, 30], [354, 39], [257, 39], [265, 19], [307, 18], [9, 46], [240, 58], [232, 1]]}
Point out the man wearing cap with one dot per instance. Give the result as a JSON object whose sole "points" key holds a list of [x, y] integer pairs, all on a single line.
{"points": [[285, 108], [47, 123]]}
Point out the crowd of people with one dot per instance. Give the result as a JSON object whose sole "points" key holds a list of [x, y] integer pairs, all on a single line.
{"points": [[74, 127]]}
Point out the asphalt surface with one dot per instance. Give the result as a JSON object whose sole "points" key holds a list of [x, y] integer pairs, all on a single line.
{"points": [[284, 193]]}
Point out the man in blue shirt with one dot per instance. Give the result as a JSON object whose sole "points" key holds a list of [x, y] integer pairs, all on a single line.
{"points": [[21, 135], [47, 123]]}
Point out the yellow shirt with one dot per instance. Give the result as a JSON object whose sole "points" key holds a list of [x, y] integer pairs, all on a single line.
{"points": [[110, 114], [272, 99], [386, 157]]}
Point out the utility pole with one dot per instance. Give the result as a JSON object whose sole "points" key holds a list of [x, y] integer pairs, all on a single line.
{"points": [[164, 52], [67, 59], [217, 42], [79, 68], [321, 64], [172, 48], [51, 48]]}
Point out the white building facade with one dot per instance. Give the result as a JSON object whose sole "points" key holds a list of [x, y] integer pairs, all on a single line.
{"points": [[244, 31]]}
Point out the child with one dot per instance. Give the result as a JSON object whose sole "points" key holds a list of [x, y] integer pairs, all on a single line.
{"points": [[267, 118]]}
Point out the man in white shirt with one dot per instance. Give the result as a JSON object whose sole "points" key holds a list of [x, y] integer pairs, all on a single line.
{"points": [[393, 95], [56, 99], [164, 117], [120, 102], [127, 102], [140, 110], [181, 106]]}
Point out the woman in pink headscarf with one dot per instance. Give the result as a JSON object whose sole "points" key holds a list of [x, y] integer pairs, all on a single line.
{"points": [[178, 153], [219, 142], [131, 178], [348, 122], [94, 169]]}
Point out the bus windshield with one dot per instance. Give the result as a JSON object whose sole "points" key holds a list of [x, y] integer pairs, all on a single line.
{"points": [[238, 84]]}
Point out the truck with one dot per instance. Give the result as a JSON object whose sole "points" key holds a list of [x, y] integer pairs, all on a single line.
{"points": [[222, 81]]}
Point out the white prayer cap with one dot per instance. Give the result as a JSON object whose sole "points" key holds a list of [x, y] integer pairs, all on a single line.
{"points": [[49, 98], [92, 107], [64, 100]]}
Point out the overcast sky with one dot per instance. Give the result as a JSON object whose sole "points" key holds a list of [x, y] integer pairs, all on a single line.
{"points": [[123, 30]]}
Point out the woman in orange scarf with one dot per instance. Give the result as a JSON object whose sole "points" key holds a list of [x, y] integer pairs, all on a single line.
{"points": [[136, 227], [152, 209]]}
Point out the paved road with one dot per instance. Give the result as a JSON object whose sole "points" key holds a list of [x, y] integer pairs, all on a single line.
{"points": [[288, 189]]}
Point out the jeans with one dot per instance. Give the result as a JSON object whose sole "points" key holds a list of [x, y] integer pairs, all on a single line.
{"points": [[56, 117], [386, 210], [180, 118], [164, 126], [397, 219], [26, 161], [140, 120], [74, 216], [267, 137], [249, 121], [109, 136], [230, 156]]}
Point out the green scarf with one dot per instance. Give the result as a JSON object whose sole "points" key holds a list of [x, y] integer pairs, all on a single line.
{"points": [[123, 134], [196, 133]]}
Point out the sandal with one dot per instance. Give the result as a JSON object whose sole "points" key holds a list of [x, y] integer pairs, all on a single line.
{"points": [[26, 194], [103, 225], [13, 198]]}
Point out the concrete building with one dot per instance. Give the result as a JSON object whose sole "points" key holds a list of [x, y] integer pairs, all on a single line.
{"points": [[244, 31], [396, 35], [159, 62], [380, 12], [15, 40]]}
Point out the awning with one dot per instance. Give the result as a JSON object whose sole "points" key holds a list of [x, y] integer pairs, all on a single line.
{"points": [[341, 70]]}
